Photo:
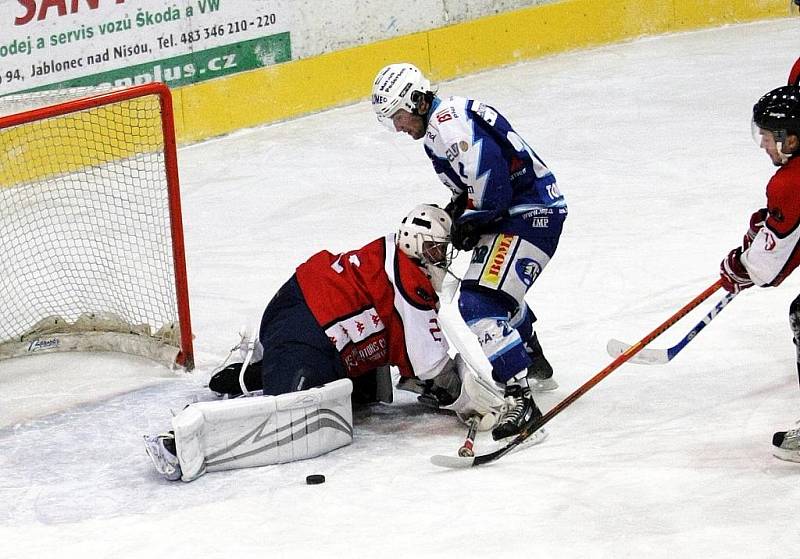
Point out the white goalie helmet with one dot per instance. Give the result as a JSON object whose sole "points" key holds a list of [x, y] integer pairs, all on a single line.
{"points": [[397, 86], [424, 235]]}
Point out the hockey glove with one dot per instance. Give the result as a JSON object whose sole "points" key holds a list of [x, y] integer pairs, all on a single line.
{"points": [[442, 390], [456, 206], [757, 221], [465, 234], [734, 275]]}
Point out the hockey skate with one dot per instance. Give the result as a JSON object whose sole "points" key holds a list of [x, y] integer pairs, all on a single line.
{"points": [[786, 445], [232, 381], [162, 451], [540, 372], [521, 411], [226, 382]]}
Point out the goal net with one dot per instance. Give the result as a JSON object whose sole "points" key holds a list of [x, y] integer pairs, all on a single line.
{"points": [[91, 241]]}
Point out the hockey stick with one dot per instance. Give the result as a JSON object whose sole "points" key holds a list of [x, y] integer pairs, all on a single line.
{"points": [[655, 356], [532, 427]]}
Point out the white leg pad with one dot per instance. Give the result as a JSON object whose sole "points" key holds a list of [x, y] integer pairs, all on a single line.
{"points": [[263, 430]]}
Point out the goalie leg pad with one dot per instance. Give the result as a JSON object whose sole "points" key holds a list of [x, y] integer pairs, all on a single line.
{"points": [[263, 430]]}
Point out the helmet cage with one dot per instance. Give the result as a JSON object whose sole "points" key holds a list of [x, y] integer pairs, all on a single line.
{"points": [[424, 235]]}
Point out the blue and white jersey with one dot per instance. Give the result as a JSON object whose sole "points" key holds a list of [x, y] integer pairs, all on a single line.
{"points": [[475, 150]]}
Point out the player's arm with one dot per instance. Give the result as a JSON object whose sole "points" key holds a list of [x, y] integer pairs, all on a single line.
{"points": [[773, 253], [416, 303], [487, 174], [458, 388]]}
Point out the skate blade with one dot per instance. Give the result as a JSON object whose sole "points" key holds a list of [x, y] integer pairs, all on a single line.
{"points": [[786, 454]]}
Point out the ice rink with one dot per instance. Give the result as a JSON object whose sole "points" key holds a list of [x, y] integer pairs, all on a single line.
{"points": [[650, 142]]}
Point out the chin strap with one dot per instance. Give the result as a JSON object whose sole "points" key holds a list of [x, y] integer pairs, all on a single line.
{"points": [[784, 157]]}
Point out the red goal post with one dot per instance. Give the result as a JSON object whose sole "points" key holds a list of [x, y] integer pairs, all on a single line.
{"points": [[91, 237]]}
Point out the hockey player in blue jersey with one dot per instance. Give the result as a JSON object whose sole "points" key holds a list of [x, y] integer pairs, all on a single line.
{"points": [[506, 209]]}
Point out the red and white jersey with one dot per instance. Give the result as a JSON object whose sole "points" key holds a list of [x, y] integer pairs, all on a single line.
{"points": [[377, 307], [775, 251], [794, 75]]}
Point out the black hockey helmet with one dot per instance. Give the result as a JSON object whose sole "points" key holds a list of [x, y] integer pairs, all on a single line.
{"points": [[779, 111]]}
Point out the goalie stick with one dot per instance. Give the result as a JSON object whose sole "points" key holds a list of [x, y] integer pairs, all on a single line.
{"points": [[531, 429], [657, 356]]}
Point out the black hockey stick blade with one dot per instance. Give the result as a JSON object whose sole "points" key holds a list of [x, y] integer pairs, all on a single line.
{"points": [[458, 462]]}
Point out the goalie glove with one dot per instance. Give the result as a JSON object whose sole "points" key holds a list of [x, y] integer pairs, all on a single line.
{"points": [[442, 390], [478, 397]]}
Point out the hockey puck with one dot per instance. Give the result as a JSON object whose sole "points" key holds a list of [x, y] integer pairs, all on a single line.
{"points": [[315, 479]]}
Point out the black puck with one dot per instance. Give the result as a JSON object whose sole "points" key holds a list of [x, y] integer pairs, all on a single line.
{"points": [[315, 479]]}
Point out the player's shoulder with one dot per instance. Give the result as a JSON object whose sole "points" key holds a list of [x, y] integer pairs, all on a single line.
{"points": [[377, 246], [449, 121], [786, 180], [782, 195]]}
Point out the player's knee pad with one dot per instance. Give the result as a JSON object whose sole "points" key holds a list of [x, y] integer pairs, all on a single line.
{"points": [[475, 304], [502, 346], [487, 315]]}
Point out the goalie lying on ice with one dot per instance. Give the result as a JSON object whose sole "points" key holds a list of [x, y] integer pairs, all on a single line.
{"points": [[335, 323]]}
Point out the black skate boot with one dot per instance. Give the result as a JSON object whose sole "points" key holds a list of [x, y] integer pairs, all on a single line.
{"points": [[521, 411], [540, 372], [226, 381]]}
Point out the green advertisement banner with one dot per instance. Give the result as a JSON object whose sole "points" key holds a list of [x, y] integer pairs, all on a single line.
{"points": [[188, 68], [57, 43]]}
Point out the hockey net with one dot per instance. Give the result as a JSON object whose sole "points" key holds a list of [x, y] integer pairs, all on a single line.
{"points": [[91, 240]]}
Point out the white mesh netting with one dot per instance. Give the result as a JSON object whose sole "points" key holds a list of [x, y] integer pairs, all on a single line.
{"points": [[85, 237]]}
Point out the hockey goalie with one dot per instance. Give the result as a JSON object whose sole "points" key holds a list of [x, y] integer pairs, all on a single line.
{"points": [[325, 343]]}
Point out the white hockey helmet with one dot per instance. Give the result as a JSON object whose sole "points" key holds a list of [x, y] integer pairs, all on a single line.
{"points": [[397, 86], [424, 235]]}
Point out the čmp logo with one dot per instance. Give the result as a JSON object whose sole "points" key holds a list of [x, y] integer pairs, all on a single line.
{"points": [[41, 345]]}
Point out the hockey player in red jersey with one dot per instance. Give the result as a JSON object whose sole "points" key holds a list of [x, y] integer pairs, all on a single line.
{"points": [[346, 315], [337, 322], [770, 249]]}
